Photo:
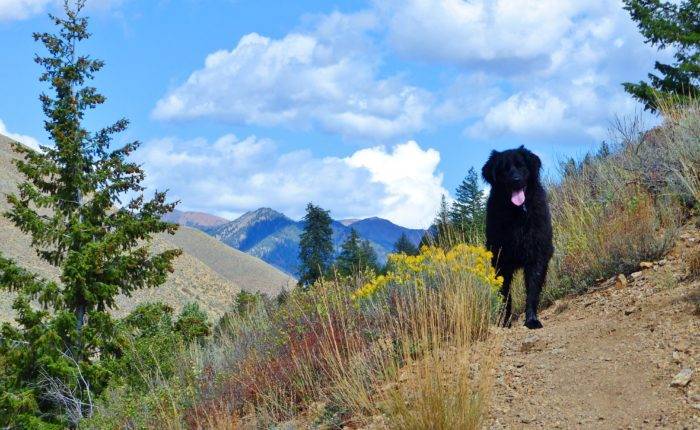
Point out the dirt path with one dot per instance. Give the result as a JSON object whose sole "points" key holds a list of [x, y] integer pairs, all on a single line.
{"points": [[607, 359]]}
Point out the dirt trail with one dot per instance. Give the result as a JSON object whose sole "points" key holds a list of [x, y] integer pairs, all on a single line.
{"points": [[607, 359]]}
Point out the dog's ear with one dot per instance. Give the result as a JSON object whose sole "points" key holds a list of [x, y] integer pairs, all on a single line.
{"points": [[534, 164], [489, 169]]}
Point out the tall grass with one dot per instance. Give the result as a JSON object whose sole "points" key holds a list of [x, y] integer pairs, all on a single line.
{"points": [[619, 207], [405, 354]]}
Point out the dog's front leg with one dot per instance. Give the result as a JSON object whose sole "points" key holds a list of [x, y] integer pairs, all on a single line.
{"points": [[535, 276]]}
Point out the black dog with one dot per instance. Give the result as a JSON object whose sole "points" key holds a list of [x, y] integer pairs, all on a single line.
{"points": [[518, 225]]}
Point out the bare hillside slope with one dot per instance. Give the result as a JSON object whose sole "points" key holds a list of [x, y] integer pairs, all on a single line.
{"points": [[208, 272]]}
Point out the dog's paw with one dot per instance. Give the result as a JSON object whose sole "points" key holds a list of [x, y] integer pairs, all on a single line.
{"points": [[533, 323]]}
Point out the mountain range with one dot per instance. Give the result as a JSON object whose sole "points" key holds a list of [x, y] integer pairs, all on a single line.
{"points": [[274, 237]]}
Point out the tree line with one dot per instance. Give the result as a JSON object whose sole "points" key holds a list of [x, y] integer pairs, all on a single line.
{"points": [[462, 221]]}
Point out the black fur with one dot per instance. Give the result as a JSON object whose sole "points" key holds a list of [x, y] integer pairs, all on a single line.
{"points": [[518, 236]]}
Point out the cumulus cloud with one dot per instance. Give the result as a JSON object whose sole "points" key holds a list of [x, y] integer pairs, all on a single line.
{"points": [[553, 66], [524, 114], [231, 176], [411, 186], [326, 78], [21, 138], [461, 31]]}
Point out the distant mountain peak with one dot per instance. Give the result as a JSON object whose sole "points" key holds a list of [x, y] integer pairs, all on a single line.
{"points": [[264, 212], [348, 222]]}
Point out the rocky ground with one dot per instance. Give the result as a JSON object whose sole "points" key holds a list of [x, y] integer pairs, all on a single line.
{"points": [[623, 356]]}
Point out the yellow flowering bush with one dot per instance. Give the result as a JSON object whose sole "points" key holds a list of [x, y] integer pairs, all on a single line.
{"points": [[433, 263]]}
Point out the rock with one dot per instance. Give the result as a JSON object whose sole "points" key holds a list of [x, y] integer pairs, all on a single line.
{"points": [[646, 265], [682, 378], [620, 281], [530, 342], [677, 357], [630, 310], [637, 275], [695, 406], [681, 346]]}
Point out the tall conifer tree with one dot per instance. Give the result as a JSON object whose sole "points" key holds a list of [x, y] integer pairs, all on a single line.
{"points": [[315, 246], [69, 205], [468, 211], [356, 255]]}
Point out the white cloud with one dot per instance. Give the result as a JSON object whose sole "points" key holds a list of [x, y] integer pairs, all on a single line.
{"points": [[460, 31], [552, 67], [21, 138], [411, 185], [327, 78], [231, 176], [21, 9], [12, 10], [524, 114]]}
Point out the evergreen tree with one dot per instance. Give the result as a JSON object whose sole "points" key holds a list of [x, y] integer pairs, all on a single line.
{"points": [[404, 246], [68, 205], [468, 212], [356, 255], [668, 24], [442, 231], [315, 246]]}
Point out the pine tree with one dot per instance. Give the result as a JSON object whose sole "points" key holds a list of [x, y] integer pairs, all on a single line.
{"points": [[468, 212], [404, 246], [356, 256], [68, 204], [315, 246], [668, 24], [442, 226]]}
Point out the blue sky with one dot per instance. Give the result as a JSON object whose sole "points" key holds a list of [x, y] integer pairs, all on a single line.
{"points": [[366, 108]]}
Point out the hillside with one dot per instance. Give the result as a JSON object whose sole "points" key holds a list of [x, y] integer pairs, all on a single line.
{"points": [[274, 237], [198, 220], [208, 271]]}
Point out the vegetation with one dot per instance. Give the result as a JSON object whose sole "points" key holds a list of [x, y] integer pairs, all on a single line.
{"points": [[315, 246], [54, 357], [468, 211], [404, 246], [669, 24], [356, 256], [330, 355], [623, 205]]}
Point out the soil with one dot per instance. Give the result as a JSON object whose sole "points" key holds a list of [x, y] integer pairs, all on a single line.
{"points": [[623, 356]]}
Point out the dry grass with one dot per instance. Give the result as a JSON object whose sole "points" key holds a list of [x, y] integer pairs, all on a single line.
{"points": [[693, 262], [419, 356], [424, 372], [611, 211]]}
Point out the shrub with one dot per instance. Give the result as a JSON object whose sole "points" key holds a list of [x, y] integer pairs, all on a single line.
{"points": [[272, 361], [624, 204], [193, 323]]}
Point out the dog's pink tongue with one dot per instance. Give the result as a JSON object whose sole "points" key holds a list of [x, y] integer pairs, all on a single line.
{"points": [[518, 197]]}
